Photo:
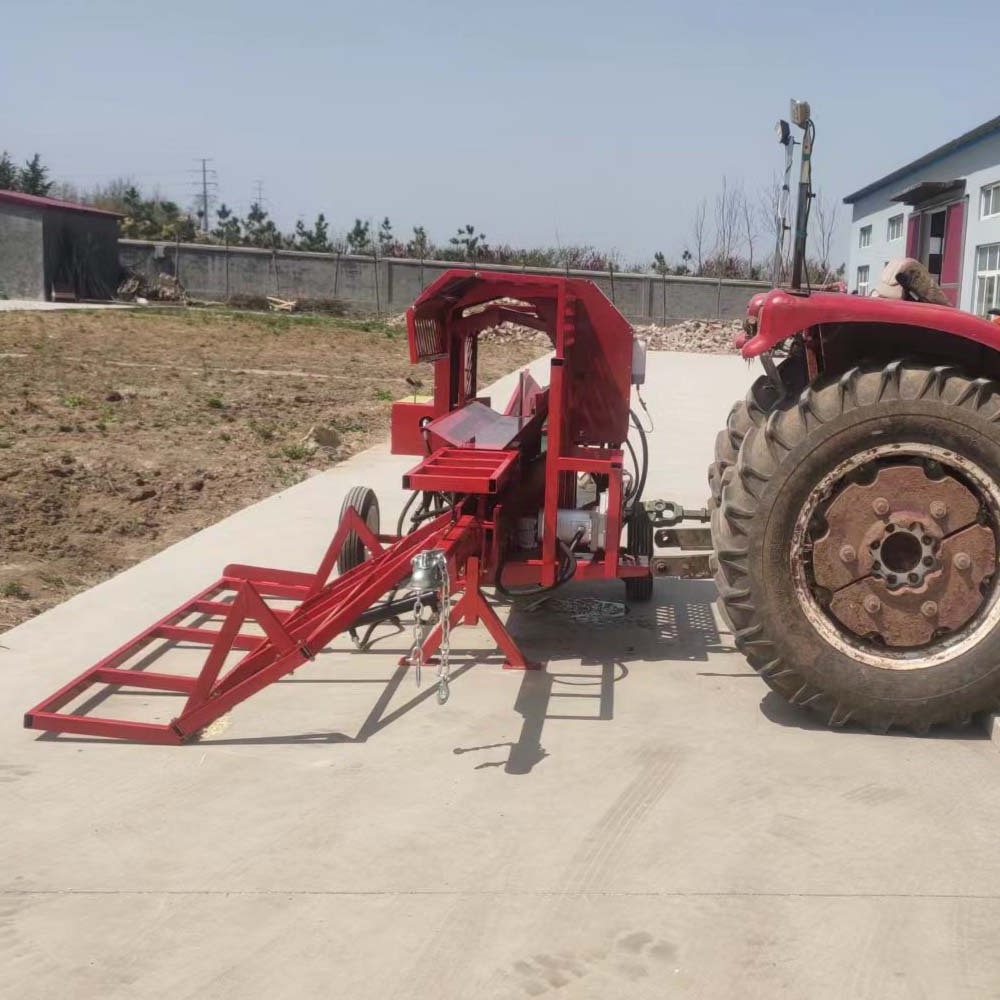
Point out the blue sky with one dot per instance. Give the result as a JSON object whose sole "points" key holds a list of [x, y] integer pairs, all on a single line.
{"points": [[604, 123]]}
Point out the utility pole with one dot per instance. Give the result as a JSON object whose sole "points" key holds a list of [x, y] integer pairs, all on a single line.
{"points": [[204, 185], [259, 188]]}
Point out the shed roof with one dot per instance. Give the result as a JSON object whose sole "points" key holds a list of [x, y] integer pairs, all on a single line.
{"points": [[965, 139], [37, 201]]}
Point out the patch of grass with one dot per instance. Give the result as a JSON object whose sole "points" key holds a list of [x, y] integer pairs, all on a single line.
{"points": [[74, 401], [225, 436], [345, 424], [383, 395], [14, 589], [214, 403], [296, 452], [6, 443], [265, 432]]}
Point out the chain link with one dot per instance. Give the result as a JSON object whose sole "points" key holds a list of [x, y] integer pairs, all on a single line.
{"points": [[430, 573], [444, 668], [417, 650]]}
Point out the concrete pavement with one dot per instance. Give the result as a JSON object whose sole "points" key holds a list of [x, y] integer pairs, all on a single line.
{"points": [[641, 820]]}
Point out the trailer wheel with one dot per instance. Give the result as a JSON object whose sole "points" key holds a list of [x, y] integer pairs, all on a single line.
{"points": [[365, 502], [857, 547], [640, 543]]}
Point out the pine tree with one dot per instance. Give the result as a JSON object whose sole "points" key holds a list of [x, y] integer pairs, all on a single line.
{"points": [[359, 239], [8, 173], [33, 177]]}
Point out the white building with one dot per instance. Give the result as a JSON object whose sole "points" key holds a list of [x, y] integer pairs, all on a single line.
{"points": [[943, 209]]}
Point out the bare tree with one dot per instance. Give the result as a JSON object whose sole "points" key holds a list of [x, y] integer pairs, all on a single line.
{"points": [[728, 211], [750, 230], [824, 213], [769, 212], [699, 234]]}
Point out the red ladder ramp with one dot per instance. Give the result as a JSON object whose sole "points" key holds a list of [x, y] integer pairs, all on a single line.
{"points": [[290, 637]]}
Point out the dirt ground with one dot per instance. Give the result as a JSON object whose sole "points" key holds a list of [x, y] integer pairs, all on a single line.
{"points": [[122, 432]]}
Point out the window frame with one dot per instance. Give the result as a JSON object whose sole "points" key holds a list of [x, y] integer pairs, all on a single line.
{"points": [[899, 219], [987, 278], [991, 193], [865, 237], [866, 284]]}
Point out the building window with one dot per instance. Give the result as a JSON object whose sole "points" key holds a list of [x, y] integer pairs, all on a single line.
{"points": [[865, 237], [990, 202], [863, 276], [894, 231], [987, 278]]}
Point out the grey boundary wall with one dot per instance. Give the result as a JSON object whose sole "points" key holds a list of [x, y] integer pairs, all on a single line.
{"points": [[389, 285]]}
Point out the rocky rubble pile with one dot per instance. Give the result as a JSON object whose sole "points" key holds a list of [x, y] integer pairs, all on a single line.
{"points": [[697, 335]]}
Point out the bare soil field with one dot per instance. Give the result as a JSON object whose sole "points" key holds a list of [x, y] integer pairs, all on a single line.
{"points": [[122, 432]]}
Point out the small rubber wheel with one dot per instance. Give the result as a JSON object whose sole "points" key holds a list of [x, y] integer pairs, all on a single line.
{"points": [[364, 501], [640, 543]]}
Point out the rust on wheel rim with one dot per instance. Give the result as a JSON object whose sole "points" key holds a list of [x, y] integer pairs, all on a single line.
{"points": [[897, 551]]}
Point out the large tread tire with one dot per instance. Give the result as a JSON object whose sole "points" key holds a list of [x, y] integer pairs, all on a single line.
{"points": [[365, 502], [778, 465], [745, 415]]}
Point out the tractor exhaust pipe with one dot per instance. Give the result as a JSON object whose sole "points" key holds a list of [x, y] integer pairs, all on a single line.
{"points": [[800, 116]]}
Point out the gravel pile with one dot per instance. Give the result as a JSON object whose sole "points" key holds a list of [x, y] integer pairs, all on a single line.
{"points": [[696, 335]]}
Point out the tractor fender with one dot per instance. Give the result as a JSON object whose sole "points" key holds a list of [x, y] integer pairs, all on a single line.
{"points": [[778, 315]]}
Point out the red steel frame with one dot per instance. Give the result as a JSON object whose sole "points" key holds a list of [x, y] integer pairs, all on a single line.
{"points": [[584, 407], [290, 638]]}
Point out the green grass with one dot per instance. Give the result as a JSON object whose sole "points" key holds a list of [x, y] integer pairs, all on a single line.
{"points": [[296, 452], [14, 589], [265, 432], [383, 395], [214, 403]]}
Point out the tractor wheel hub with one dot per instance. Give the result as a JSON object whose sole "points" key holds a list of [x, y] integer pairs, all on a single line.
{"points": [[899, 557]]}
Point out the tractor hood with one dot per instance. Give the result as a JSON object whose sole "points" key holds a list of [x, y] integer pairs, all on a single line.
{"points": [[776, 315]]}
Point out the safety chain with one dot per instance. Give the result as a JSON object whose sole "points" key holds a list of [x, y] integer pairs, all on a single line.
{"points": [[430, 573], [417, 650], [444, 668]]}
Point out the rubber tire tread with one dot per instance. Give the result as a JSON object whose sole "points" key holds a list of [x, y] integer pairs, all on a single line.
{"points": [[364, 501], [750, 589]]}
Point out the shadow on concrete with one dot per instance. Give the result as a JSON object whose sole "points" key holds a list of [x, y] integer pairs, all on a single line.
{"points": [[588, 622], [593, 622], [534, 699], [775, 709]]}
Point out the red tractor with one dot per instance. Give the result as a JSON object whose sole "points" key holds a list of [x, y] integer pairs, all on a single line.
{"points": [[856, 500]]}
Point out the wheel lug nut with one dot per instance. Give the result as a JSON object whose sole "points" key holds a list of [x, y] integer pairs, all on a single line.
{"points": [[962, 561], [847, 554], [928, 609], [939, 509], [881, 506], [872, 604]]}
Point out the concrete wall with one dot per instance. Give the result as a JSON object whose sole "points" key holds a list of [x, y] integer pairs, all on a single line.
{"points": [[21, 253], [978, 164], [390, 285]]}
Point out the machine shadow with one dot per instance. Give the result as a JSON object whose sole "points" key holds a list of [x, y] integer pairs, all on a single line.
{"points": [[589, 623]]}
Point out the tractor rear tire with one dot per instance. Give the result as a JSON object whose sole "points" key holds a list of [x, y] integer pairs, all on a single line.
{"points": [[745, 415], [779, 508], [365, 502]]}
